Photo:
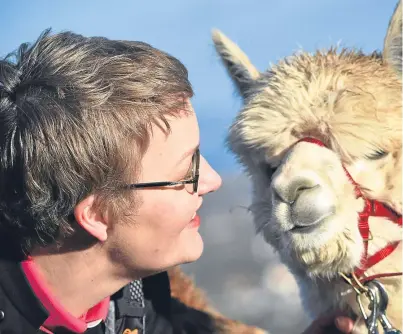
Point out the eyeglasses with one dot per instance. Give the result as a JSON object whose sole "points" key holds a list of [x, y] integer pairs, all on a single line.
{"points": [[193, 180]]}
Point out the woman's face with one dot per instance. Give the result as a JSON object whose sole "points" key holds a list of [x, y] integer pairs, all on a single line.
{"points": [[164, 230]]}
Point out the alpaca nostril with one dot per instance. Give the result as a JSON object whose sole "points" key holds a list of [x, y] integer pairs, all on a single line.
{"points": [[302, 188], [289, 192]]}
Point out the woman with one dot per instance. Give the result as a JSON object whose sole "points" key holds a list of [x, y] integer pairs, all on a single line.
{"points": [[101, 180]]}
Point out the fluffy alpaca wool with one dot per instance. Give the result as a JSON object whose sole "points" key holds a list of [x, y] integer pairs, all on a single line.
{"points": [[352, 102]]}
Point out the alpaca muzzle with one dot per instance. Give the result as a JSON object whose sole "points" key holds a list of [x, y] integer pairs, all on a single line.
{"points": [[372, 208]]}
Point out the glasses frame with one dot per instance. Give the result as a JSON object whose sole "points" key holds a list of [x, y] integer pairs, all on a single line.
{"points": [[194, 180]]}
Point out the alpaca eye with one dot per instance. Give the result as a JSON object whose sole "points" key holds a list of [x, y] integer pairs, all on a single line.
{"points": [[378, 154], [268, 170]]}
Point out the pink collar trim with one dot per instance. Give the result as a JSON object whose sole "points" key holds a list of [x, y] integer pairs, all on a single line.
{"points": [[58, 315]]}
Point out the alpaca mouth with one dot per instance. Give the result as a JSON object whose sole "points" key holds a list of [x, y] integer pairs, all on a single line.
{"points": [[303, 228], [306, 228]]}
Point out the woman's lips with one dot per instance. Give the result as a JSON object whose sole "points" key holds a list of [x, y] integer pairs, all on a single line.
{"points": [[195, 222]]}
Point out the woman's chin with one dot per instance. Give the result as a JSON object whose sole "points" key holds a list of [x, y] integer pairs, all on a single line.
{"points": [[194, 249]]}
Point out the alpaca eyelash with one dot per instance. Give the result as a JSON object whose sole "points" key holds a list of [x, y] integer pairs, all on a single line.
{"points": [[378, 154]]}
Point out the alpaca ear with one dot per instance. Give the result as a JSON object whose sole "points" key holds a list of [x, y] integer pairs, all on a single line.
{"points": [[392, 49], [238, 65]]}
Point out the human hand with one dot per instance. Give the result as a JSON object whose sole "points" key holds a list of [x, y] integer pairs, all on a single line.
{"points": [[332, 323]]}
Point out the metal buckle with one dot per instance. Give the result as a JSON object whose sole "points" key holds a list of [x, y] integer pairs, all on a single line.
{"points": [[370, 237], [355, 283]]}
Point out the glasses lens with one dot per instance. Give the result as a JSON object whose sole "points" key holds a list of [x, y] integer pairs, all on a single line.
{"points": [[196, 165], [194, 173]]}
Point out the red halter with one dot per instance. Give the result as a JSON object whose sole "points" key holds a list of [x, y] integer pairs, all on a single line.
{"points": [[372, 208]]}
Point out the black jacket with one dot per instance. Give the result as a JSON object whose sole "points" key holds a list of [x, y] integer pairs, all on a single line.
{"points": [[155, 313]]}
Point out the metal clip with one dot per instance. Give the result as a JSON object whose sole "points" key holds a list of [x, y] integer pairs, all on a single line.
{"points": [[378, 289], [371, 319]]}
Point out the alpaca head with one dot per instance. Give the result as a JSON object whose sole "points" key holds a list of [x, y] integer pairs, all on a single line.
{"points": [[303, 200]]}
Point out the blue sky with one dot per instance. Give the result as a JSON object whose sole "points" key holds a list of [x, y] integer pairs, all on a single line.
{"points": [[265, 29]]}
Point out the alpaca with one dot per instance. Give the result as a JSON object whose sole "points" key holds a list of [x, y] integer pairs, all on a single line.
{"points": [[319, 135]]}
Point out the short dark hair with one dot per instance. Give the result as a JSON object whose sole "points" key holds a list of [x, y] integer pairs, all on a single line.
{"points": [[75, 118]]}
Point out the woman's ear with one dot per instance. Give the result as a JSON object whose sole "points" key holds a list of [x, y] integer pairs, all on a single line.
{"points": [[90, 219]]}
